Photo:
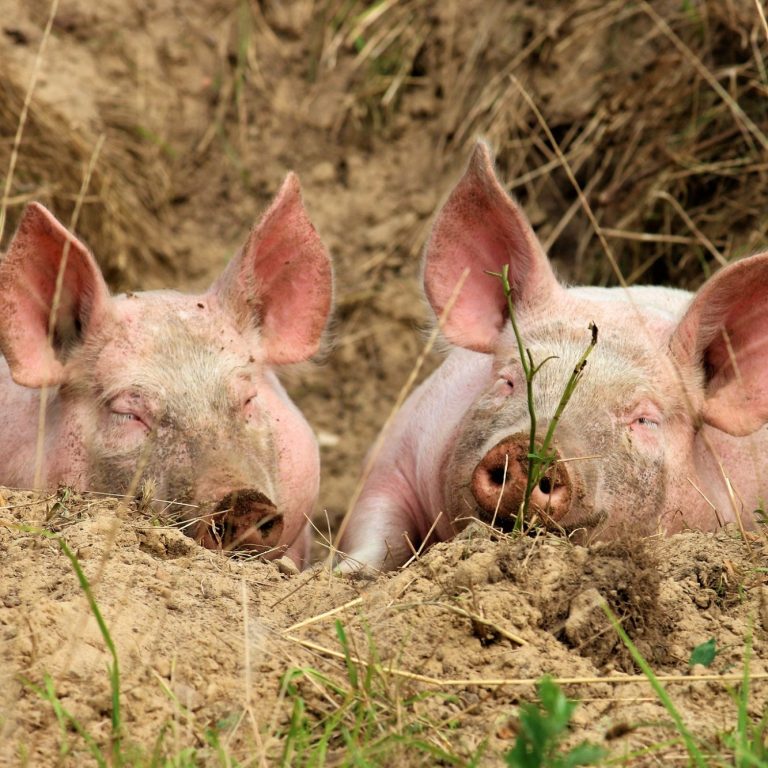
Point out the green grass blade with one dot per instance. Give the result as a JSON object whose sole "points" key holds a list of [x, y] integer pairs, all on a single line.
{"points": [[66, 719], [690, 743], [114, 672]]}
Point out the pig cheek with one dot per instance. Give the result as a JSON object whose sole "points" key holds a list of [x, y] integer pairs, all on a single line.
{"points": [[121, 455], [114, 472], [257, 446], [632, 495], [681, 497], [625, 487], [71, 463]]}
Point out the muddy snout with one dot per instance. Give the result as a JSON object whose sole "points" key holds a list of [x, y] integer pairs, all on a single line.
{"points": [[499, 481], [245, 520]]}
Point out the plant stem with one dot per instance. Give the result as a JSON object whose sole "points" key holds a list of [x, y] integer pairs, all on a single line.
{"points": [[539, 461], [661, 692], [114, 670]]}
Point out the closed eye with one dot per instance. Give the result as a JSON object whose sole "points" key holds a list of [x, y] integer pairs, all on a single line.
{"points": [[646, 422], [127, 411], [121, 417]]}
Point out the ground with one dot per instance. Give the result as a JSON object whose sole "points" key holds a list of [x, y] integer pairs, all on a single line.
{"points": [[203, 108]]}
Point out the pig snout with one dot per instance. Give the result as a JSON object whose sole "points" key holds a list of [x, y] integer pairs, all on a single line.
{"points": [[245, 519], [499, 481]]}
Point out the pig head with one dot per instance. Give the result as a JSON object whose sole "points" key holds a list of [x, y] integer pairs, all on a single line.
{"points": [[665, 430], [166, 391]]}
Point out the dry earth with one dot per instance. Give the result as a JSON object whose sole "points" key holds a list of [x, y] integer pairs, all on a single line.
{"points": [[205, 641], [204, 107]]}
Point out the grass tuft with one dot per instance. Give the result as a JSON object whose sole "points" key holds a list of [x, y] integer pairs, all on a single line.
{"points": [[366, 718]]}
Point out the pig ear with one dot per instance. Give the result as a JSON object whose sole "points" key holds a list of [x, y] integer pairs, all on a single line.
{"points": [[281, 281], [28, 277], [725, 333], [481, 229]]}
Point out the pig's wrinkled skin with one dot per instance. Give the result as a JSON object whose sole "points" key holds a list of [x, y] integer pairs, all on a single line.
{"points": [[168, 389], [659, 419]]}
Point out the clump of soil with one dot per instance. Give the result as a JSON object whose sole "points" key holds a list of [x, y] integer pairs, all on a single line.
{"points": [[621, 575]]}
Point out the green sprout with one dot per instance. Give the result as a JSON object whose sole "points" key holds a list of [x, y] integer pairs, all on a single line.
{"points": [[541, 459]]}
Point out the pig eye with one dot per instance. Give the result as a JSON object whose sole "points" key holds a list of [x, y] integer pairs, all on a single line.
{"points": [[644, 421], [645, 417], [128, 410], [126, 418], [120, 417], [503, 386]]}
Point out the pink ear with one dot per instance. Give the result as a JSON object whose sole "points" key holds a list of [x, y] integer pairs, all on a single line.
{"points": [[281, 281], [480, 227], [28, 276], [727, 323]]}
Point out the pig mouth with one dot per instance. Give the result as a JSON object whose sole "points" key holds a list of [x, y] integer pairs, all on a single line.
{"points": [[244, 520]]}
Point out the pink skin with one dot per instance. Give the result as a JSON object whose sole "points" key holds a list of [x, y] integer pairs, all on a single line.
{"points": [[660, 408], [166, 388]]}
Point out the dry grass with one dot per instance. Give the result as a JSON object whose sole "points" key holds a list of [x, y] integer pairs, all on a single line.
{"points": [[119, 218], [660, 110]]}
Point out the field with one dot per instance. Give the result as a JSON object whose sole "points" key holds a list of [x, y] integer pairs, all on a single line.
{"points": [[184, 118]]}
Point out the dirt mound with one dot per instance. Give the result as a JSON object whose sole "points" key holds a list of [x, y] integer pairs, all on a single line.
{"points": [[125, 190], [204, 640]]}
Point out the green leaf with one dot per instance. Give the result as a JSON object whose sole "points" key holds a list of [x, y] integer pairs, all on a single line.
{"points": [[542, 726], [583, 754], [556, 704], [704, 653]]}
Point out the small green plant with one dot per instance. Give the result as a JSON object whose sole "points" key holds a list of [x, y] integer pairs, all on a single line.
{"points": [[540, 458], [704, 653], [542, 727], [761, 515], [366, 719], [694, 753], [48, 692], [747, 742]]}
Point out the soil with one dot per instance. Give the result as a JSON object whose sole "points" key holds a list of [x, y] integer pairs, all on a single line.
{"points": [[204, 639], [204, 108]]}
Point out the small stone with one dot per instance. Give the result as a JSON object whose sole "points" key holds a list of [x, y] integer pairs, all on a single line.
{"points": [[163, 668], [187, 696], [327, 439], [423, 203], [287, 566], [585, 617]]}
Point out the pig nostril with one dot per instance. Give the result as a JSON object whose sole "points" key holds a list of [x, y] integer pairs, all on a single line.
{"points": [[497, 475], [545, 485], [267, 524]]}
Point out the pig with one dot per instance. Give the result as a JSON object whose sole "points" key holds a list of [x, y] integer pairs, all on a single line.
{"points": [[664, 431], [165, 391]]}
